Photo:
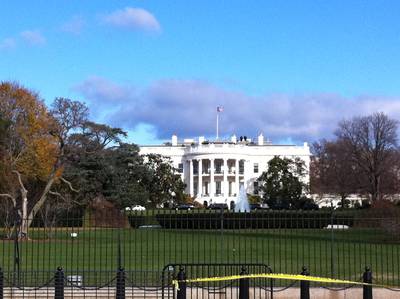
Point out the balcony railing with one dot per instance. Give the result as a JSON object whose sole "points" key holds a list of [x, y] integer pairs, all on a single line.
{"points": [[216, 171]]}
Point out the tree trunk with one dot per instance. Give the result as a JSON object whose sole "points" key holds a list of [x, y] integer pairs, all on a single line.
{"points": [[342, 200], [23, 213], [373, 188], [375, 194], [41, 200], [26, 219], [378, 187], [23, 231]]}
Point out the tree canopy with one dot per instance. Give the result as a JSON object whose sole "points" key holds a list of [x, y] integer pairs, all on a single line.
{"points": [[333, 170], [371, 142], [30, 151], [163, 181], [282, 184], [59, 155]]}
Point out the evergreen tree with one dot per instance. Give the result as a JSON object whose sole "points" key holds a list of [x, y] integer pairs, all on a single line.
{"points": [[282, 184]]}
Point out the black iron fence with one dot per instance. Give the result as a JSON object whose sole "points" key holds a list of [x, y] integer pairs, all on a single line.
{"points": [[260, 287], [93, 251]]}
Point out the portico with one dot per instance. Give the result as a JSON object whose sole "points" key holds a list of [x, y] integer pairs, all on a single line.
{"points": [[215, 177]]}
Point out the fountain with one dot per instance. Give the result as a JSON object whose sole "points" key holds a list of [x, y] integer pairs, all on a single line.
{"points": [[242, 204]]}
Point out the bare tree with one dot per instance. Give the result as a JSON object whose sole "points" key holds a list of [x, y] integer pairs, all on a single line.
{"points": [[333, 170], [372, 143]]}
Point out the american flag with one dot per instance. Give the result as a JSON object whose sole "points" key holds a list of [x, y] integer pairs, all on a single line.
{"points": [[220, 108]]}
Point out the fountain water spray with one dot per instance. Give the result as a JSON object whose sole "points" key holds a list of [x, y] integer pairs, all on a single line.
{"points": [[242, 204]]}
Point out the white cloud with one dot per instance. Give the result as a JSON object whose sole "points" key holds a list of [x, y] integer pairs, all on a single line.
{"points": [[74, 25], [8, 43], [187, 107], [134, 19], [33, 37]]}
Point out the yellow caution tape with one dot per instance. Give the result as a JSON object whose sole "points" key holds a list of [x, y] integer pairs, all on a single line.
{"points": [[277, 276]]}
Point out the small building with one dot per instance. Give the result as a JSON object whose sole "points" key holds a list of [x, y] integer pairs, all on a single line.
{"points": [[214, 171]]}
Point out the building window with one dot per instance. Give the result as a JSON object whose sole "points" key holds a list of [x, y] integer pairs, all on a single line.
{"points": [[206, 167], [255, 167], [180, 167], [255, 187], [218, 167], [218, 187], [241, 167], [231, 169]]}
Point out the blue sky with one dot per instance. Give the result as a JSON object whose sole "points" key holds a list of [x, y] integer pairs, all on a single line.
{"points": [[289, 69]]}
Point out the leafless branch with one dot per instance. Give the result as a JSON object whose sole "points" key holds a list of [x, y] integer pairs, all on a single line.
{"points": [[10, 197], [56, 194], [69, 185], [20, 181], [63, 197]]}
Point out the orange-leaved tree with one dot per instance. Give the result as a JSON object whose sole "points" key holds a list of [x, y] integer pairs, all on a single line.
{"points": [[32, 150]]}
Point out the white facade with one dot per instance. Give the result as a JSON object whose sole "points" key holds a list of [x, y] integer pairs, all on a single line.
{"points": [[214, 171]]}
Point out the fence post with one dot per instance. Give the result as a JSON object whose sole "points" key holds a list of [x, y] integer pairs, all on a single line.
{"points": [[304, 285], [1, 283], [243, 285], [367, 278], [59, 284], [181, 294], [120, 293]]}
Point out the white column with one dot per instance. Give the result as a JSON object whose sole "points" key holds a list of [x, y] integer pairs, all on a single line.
{"points": [[212, 183], [237, 177], [245, 178], [200, 178], [191, 193], [225, 181]]}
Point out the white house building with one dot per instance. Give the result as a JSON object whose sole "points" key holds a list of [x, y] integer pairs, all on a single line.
{"points": [[214, 171]]}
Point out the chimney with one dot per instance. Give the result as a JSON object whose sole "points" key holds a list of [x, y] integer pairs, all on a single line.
{"points": [[233, 138], [174, 140], [260, 139]]}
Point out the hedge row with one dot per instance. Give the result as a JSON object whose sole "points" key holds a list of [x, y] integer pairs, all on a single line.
{"points": [[265, 220], [136, 220], [70, 221]]}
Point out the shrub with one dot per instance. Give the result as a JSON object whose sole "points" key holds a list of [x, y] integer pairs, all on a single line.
{"points": [[136, 220], [382, 214], [253, 220]]}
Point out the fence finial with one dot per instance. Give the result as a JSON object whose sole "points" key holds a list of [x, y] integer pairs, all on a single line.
{"points": [[1, 283], [59, 283], [120, 294], [305, 285], [181, 293], [367, 278], [244, 285]]}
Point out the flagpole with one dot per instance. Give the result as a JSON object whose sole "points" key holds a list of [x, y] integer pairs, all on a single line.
{"points": [[217, 123]]}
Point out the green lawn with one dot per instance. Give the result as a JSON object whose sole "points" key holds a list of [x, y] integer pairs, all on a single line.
{"points": [[342, 254]]}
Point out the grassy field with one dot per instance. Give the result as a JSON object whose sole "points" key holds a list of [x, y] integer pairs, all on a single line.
{"points": [[335, 253]]}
